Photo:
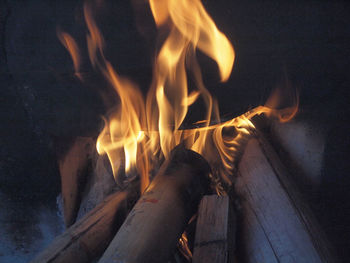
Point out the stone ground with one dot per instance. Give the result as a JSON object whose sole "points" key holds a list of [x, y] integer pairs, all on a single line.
{"points": [[42, 104]]}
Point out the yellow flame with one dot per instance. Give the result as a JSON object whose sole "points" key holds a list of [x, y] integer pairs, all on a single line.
{"points": [[195, 25], [122, 137], [184, 248], [138, 131], [190, 28]]}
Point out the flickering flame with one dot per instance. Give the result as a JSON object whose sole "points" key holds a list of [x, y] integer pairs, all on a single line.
{"points": [[123, 135], [183, 246], [69, 43], [139, 132]]}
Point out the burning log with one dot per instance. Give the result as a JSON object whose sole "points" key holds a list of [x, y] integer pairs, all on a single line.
{"points": [[88, 238], [275, 224], [153, 227], [215, 229]]}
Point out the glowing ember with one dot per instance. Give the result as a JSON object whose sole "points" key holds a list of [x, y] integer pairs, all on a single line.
{"points": [[142, 131]]}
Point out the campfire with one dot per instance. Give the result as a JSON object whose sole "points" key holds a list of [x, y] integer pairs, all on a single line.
{"points": [[165, 190]]}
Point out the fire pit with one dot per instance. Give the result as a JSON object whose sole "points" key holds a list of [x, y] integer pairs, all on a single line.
{"points": [[139, 132], [169, 179]]}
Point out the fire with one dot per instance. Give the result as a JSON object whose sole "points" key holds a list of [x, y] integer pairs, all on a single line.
{"points": [[140, 131], [70, 44], [189, 28]]}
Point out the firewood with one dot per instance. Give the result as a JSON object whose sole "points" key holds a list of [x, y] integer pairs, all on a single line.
{"points": [[214, 236], [275, 225], [88, 238], [100, 183], [151, 231], [73, 170]]}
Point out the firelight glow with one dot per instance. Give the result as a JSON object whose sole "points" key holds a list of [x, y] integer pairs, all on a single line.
{"points": [[141, 131]]}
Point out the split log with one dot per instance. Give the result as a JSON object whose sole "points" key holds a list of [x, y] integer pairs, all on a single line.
{"points": [[214, 238], [151, 231], [89, 237], [73, 170], [275, 225]]}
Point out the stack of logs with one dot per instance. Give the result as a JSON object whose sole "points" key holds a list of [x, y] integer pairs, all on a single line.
{"points": [[264, 221]]}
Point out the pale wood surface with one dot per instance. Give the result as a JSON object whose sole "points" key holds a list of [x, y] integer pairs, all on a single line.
{"points": [[100, 183], [276, 225], [252, 242], [89, 237], [212, 240], [152, 229], [316, 233]]}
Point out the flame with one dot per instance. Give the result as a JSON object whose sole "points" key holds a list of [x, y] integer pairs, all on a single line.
{"points": [[184, 248], [122, 137], [195, 25], [139, 132], [69, 43], [190, 28], [281, 97]]}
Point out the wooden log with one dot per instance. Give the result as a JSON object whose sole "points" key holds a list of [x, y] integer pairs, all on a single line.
{"points": [[152, 229], [275, 225], [100, 183], [89, 237], [73, 170], [214, 236]]}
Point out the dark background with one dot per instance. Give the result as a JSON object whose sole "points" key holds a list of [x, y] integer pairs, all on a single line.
{"points": [[43, 104]]}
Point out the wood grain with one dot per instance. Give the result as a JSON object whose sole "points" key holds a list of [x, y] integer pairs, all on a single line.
{"points": [[73, 168], [152, 229], [276, 225], [213, 240], [89, 237]]}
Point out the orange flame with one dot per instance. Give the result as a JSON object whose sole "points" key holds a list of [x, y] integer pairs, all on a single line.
{"points": [[140, 132], [122, 137], [279, 99], [69, 43], [184, 248]]}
